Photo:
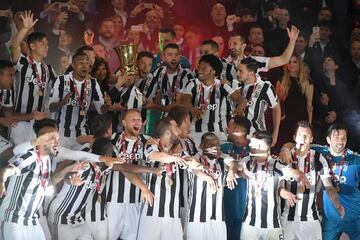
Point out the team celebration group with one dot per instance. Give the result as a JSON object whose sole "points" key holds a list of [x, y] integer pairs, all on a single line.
{"points": [[169, 149]]}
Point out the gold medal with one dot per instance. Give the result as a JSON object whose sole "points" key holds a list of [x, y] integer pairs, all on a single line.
{"points": [[40, 92], [257, 194], [82, 112], [337, 188], [99, 199], [302, 188]]}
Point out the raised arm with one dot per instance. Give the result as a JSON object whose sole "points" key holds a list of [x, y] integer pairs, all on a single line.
{"points": [[28, 23], [284, 58]]}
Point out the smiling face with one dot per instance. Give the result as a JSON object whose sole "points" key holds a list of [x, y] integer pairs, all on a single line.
{"points": [[337, 141], [132, 123], [293, 66], [52, 143], [205, 72]]}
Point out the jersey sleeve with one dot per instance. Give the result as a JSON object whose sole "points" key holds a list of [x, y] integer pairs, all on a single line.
{"points": [[150, 148], [262, 63], [56, 95], [22, 163], [97, 97], [189, 88], [271, 97], [322, 167], [67, 154]]}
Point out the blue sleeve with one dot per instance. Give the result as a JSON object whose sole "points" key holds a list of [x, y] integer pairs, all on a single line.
{"points": [[184, 62], [225, 148], [320, 148]]}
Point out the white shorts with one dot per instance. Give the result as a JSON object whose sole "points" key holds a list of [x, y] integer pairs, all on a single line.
{"points": [[23, 132], [71, 232], [123, 219], [15, 231], [297, 230], [44, 225], [196, 137], [209, 231], [249, 232], [157, 228], [98, 229]]}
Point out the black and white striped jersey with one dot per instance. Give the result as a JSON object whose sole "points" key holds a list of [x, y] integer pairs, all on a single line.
{"points": [[167, 189], [31, 90], [171, 85], [229, 73], [72, 117], [259, 96], [262, 62], [205, 206], [134, 96], [70, 203], [6, 98], [189, 145], [95, 211], [119, 188], [262, 207], [25, 189], [315, 168], [212, 101]]}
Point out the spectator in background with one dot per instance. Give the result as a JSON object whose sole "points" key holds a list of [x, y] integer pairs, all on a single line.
{"points": [[62, 64], [301, 47], [107, 39], [330, 97], [258, 51], [134, 37], [350, 69], [279, 33], [101, 72], [119, 31], [321, 45], [192, 44], [295, 92], [166, 36], [221, 45], [63, 47], [152, 24], [117, 7], [256, 37], [179, 34], [99, 50], [217, 23], [5, 33]]}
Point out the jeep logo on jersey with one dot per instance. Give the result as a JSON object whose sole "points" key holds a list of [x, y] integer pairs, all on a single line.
{"points": [[342, 179], [74, 102], [129, 157], [212, 107], [90, 185], [35, 81]]}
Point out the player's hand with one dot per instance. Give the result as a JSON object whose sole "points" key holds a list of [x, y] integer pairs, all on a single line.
{"points": [[291, 198], [293, 33], [285, 156], [9, 122], [66, 99], [110, 161], [41, 115], [304, 181], [212, 184], [231, 181], [331, 117], [78, 166], [76, 179], [196, 113], [194, 164], [180, 161], [28, 20], [82, 139], [341, 210], [147, 196]]}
